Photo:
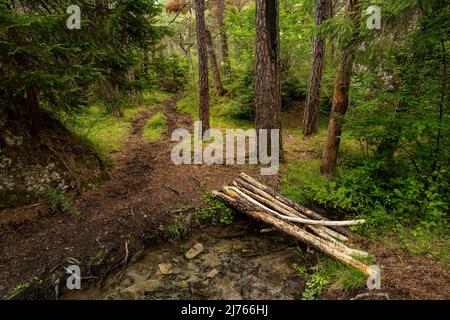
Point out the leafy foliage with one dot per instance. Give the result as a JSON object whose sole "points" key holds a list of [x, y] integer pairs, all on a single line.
{"points": [[59, 202], [170, 72], [215, 211], [39, 54]]}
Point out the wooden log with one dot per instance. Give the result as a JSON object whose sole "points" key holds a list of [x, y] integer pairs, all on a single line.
{"points": [[296, 206], [331, 242], [233, 199], [318, 230], [301, 220], [323, 229]]}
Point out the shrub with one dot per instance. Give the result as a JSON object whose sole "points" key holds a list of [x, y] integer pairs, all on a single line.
{"points": [[243, 87], [171, 72], [377, 192], [215, 211], [60, 202], [292, 90]]}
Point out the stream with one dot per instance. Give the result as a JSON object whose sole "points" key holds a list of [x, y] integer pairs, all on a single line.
{"points": [[237, 262]]}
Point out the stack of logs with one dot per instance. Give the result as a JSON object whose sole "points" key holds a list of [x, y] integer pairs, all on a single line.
{"points": [[264, 204]]}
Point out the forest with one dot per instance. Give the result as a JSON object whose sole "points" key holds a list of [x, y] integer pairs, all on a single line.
{"points": [[349, 102]]}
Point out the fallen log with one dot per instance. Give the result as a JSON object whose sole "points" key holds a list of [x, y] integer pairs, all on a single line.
{"points": [[282, 207], [329, 241], [307, 221], [318, 230], [310, 213], [241, 203]]}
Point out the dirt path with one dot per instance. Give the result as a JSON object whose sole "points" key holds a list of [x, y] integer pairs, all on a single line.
{"points": [[132, 211], [129, 212]]}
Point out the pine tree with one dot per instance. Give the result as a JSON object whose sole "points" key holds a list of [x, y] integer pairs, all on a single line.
{"points": [[310, 118], [341, 95], [202, 65], [268, 84]]}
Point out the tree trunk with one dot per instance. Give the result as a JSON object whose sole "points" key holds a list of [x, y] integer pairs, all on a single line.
{"points": [[35, 111], [213, 61], [202, 65], [268, 85], [313, 101], [132, 79], [112, 96], [340, 98], [220, 12]]}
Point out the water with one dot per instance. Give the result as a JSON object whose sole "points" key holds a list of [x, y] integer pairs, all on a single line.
{"points": [[237, 263]]}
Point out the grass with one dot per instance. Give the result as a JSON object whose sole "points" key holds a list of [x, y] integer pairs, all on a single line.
{"points": [[107, 133], [189, 105], [420, 242], [59, 202], [219, 119], [155, 127], [178, 229], [328, 273], [214, 211]]}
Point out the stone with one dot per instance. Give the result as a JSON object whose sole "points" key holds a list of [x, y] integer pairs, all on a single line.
{"points": [[194, 251], [213, 273], [126, 282], [211, 260], [165, 268], [205, 283], [132, 292], [183, 284]]}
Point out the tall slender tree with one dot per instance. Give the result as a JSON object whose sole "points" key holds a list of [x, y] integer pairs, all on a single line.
{"points": [[213, 62], [220, 14], [202, 65], [268, 84], [323, 12], [341, 94]]}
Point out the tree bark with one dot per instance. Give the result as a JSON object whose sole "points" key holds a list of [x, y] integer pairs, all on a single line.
{"points": [[220, 13], [202, 66], [311, 113], [214, 66], [340, 98], [268, 84]]}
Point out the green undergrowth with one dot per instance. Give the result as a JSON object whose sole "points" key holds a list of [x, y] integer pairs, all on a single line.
{"points": [[214, 211], [155, 127], [108, 133], [219, 111], [408, 211], [326, 273], [60, 202]]}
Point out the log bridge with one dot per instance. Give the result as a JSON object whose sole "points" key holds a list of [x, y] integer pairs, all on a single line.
{"points": [[262, 203]]}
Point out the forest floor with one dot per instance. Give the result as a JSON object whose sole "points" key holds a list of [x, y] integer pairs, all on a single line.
{"points": [[126, 222]]}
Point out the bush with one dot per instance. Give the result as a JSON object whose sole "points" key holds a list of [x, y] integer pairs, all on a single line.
{"points": [[292, 90], [377, 192], [171, 72], [60, 202], [215, 211], [243, 87], [154, 128]]}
